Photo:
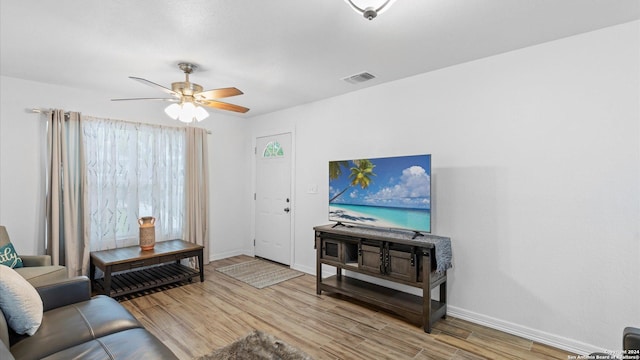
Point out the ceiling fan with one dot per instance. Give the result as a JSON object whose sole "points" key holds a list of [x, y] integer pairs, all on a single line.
{"points": [[186, 97]]}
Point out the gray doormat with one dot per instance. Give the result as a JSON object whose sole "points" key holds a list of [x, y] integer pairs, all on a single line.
{"points": [[259, 273]]}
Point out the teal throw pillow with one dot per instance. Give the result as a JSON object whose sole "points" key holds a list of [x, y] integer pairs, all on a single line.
{"points": [[9, 257]]}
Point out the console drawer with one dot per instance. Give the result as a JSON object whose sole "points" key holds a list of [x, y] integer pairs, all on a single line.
{"points": [[370, 257], [178, 256], [331, 250], [402, 265], [135, 264]]}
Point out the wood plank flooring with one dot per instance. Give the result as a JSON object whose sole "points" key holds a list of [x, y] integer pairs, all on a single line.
{"points": [[196, 318]]}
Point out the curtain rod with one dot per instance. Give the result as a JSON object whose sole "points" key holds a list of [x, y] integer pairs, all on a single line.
{"points": [[45, 111], [66, 113]]}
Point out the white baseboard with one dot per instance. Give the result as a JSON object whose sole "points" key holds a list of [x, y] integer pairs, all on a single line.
{"points": [[305, 269], [571, 345], [220, 256]]}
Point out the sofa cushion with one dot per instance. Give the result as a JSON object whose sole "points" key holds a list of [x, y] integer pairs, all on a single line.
{"points": [[19, 302], [71, 325], [43, 275], [9, 256], [129, 344]]}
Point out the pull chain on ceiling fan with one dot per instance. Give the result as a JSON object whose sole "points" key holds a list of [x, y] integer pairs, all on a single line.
{"points": [[188, 96]]}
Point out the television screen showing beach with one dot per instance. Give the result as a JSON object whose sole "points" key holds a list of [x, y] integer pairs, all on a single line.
{"points": [[393, 192]]}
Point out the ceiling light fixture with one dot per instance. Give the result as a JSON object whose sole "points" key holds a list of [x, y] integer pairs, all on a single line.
{"points": [[188, 97], [370, 8], [186, 112]]}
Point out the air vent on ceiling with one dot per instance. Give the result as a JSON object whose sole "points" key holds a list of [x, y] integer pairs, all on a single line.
{"points": [[358, 78]]}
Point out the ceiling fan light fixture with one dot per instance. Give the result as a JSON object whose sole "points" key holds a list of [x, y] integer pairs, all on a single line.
{"points": [[187, 113], [201, 113], [370, 9], [173, 111], [187, 97]]}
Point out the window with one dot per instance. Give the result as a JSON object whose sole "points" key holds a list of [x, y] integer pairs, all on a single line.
{"points": [[273, 149], [133, 170]]}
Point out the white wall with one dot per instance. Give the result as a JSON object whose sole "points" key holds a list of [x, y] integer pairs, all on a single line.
{"points": [[21, 159], [536, 178]]}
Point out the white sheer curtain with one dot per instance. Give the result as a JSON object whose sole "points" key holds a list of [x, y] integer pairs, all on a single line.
{"points": [[133, 170]]}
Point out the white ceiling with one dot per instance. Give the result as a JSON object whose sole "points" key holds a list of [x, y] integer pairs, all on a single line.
{"points": [[281, 53]]}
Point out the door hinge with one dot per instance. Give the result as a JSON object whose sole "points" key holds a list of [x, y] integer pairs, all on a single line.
{"points": [[254, 196], [255, 150], [254, 242]]}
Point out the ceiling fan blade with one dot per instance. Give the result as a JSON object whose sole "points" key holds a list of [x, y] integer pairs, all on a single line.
{"points": [[154, 85], [218, 93], [222, 105], [161, 99]]}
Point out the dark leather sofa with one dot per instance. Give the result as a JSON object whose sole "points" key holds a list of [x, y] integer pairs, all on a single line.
{"points": [[631, 340], [630, 346], [77, 326]]}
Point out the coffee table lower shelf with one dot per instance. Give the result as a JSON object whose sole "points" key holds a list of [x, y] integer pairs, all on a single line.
{"points": [[147, 278]]}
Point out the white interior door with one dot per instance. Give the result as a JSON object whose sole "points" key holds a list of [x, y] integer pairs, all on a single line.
{"points": [[273, 198]]}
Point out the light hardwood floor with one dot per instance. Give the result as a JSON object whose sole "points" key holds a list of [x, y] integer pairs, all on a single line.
{"points": [[196, 318]]}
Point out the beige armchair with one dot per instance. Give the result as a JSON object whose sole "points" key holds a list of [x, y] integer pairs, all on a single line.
{"points": [[37, 269]]}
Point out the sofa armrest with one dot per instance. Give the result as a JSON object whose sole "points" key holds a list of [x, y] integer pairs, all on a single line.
{"points": [[5, 340], [65, 292], [36, 260], [631, 338], [5, 354]]}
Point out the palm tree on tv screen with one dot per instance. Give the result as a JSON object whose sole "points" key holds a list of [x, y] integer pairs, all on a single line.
{"points": [[360, 175], [335, 168]]}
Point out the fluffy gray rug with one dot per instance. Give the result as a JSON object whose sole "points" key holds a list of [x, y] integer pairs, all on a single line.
{"points": [[257, 346]]}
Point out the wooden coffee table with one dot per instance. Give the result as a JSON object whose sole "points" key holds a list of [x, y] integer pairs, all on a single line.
{"points": [[136, 271]]}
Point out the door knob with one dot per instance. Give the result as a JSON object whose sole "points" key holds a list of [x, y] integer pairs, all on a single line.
{"points": [[286, 210]]}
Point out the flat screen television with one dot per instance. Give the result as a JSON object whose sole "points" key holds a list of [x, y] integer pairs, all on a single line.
{"points": [[389, 192]]}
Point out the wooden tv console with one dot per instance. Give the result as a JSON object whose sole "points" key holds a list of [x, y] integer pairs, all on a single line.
{"points": [[390, 255]]}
